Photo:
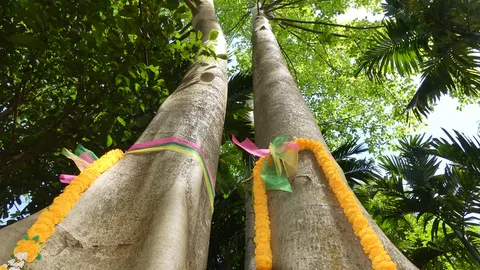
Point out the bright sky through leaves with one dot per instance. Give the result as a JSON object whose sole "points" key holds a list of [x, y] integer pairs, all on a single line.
{"points": [[446, 113]]}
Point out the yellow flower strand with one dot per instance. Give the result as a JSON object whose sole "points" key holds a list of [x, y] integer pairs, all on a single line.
{"points": [[372, 246], [263, 253], [44, 227]]}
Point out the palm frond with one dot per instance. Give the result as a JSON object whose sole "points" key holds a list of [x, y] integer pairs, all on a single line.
{"points": [[396, 47], [459, 149], [237, 118], [393, 165], [349, 148], [358, 171], [438, 38], [442, 202], [424, 255], [453, 70]]}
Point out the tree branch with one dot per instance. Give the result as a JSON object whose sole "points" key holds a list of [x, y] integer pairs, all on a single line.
{"points": [[325, 59], [185, 27], [273, 3], [282, 6], [325, 23], [5, 113], [145, 53], [289, 61], [241, 20], [311, 30], [15, 116], [191, 6], [185, 35], [290, 31]]}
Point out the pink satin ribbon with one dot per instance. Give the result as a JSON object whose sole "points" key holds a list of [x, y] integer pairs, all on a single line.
{"points": [[67, 178], [250, 147], [87, 157]]}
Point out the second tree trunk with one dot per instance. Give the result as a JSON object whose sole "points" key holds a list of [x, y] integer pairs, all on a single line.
{"points": [[309, 229]]}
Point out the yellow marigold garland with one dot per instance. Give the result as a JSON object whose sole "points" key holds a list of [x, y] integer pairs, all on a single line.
{"points": [[263, 253], [372, 246], [28, 249]]}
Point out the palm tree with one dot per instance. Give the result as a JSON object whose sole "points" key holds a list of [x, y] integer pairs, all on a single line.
{"points": [[413, 186], [437, 38]]}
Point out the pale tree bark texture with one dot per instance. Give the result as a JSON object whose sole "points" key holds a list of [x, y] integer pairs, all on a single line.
{"points": [[309, 229], [149, 211], [249, 228]]}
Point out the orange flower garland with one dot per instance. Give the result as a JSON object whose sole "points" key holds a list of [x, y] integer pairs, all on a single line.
{"points": [[263, 253], [28, 249], [372, 246]]}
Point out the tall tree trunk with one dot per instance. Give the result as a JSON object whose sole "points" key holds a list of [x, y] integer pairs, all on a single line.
{"points": [[149, 211], [309, 229], [249, 228], [249, 213]]}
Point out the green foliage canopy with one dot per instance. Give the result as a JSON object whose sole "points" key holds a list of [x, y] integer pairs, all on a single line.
{"points": [[438, 38], [322, 57], [90, 72]]}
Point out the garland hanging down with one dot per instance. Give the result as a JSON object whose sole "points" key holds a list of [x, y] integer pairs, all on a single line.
{"points": [[372, 246], [28, 249]]}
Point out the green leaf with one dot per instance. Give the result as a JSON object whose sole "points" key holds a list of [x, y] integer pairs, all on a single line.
{"points": [[213, 35], [130, 11], [98, 29], [27, 41], [132, 73], [121, 121], [154, 69], [127, 80], [118, 80], [172, 4], [36, 238], [109, 140], [223, 56], [181, 10]]}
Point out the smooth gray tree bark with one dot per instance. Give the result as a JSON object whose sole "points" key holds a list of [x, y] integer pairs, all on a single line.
{"points": [[309, 228], [249, 228], [149, 211]]}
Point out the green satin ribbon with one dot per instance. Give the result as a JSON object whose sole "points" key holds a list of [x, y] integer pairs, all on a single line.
{"points": [[280, 164]]}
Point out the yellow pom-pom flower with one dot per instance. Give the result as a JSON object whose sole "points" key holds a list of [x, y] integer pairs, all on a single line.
{"points": [[29, 248]]}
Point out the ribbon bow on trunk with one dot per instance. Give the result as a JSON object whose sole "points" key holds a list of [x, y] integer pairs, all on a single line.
{"points": [[281, 161], [82, 158]]}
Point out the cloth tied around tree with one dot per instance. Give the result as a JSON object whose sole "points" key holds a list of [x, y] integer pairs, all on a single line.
{"points": [[281, 161], [82, 158]]}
